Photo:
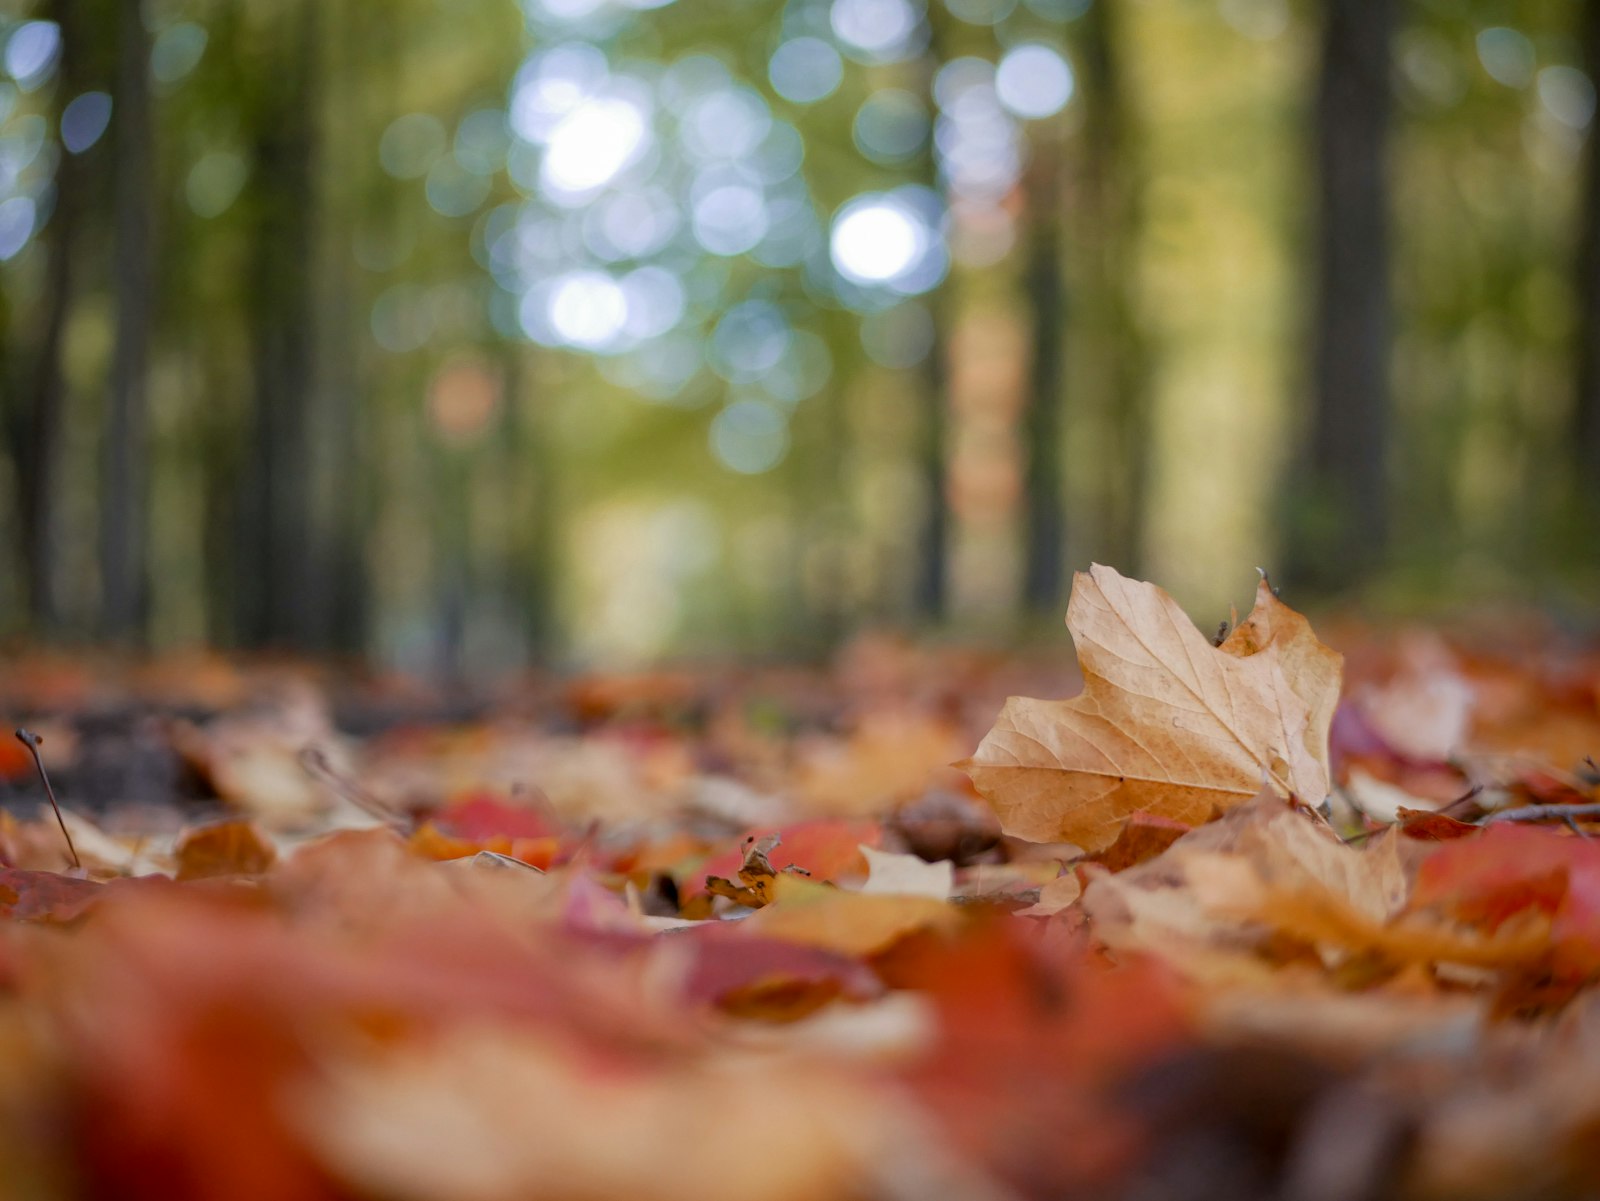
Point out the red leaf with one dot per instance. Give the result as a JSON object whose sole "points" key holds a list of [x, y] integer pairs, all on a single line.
{"points": [[482, 816], [827, 848], [44, 896]]}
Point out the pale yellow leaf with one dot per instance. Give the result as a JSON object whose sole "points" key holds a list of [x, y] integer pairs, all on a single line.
{"points": [[890, 874]]}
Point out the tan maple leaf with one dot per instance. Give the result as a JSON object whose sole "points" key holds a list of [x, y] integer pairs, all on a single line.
{"points": [[1166, 723]]}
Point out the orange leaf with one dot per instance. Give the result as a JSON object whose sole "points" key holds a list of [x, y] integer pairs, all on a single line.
{"points": [[232, 848]]}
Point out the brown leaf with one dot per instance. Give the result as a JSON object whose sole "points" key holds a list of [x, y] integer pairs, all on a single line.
{"points": [[1144, 836], [232, 848], [1166, 723], [754, 886], [1227, 902]]}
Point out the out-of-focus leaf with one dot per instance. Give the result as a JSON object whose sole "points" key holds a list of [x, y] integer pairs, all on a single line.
{"points": [[44, 896], [889, 874], [826, 849], [233, 848], [850, 923]]}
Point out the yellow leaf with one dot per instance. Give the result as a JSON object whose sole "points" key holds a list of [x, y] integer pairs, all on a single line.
{"points": [[1166, 723], [851, 923]]}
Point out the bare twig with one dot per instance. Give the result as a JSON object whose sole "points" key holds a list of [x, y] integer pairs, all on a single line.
{"points": [[32, 741], [1545, 813], [315, 760]]}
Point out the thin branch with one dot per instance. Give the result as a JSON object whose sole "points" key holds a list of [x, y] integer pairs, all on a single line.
{"points": [[1545, 813], [32, 741], [315, 760]]}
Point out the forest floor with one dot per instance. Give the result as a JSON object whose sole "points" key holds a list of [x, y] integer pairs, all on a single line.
{"points": [[1241, 919]]}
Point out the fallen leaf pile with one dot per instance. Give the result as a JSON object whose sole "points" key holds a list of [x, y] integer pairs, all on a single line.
{"points": [[1224, 923]]}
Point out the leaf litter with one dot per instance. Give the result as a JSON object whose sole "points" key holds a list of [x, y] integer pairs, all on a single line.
{"points": [[1221, 924]]}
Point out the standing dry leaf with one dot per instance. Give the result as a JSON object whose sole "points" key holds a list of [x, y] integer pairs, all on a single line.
{"points": [[1166, 723]]}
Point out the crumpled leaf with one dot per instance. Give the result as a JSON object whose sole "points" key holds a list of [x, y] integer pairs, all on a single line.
{"points": [[756, 877], [1234, 901], [1059, 894], [1166, 723]]}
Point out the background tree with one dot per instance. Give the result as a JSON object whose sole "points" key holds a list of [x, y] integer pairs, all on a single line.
{"points": [[1342, 487]]}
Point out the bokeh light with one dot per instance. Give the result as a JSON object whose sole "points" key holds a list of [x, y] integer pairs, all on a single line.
{"points": [[31, 53], [412, 144], [83, 120], [1507, 55], [878, 31], [981, 12], [886, 239], [891, 126], [591, 146], [177, 51], [588, 309], [1568, 95], [17, 217], [750, 437], [214, 182], [1034, 81], [805, 69]]}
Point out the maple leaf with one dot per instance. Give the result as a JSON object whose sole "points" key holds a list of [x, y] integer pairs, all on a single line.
{"points": [[1166, 723]]}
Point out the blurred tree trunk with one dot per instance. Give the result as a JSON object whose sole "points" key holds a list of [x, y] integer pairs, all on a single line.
{"points": [[1340, 516], [351, 39], [1586, 415], [1110, 374], [281, 594], [39, 453], [930, 592], [1046, 296], [933, 539], [531, 549], [123, 496]]}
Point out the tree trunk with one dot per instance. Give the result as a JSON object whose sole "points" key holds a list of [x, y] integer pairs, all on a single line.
{"points": [[1341, 517], [933, 539], [280, 593], [39, 455], [1046, 296], [1111, 350], [123, 499], [1586, 415], [931, 588]]}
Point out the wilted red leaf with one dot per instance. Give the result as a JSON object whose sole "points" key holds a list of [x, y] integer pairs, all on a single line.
{"points": [[1034, 1039], [1427, 826], [1510, 869], [484, 816], [767, 977], [44, 896], [826, 849]]}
